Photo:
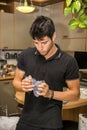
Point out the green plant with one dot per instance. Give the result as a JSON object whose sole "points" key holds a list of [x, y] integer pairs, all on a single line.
{"points": [[78, 11]]}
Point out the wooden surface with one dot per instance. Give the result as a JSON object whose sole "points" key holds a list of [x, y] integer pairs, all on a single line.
{"points": [[75, 104], [6, 77], [20, 97], [72, 114], [69, 105], [70, 111]]}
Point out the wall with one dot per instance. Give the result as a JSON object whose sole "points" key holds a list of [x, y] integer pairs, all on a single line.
{"points": [[14, 29]]}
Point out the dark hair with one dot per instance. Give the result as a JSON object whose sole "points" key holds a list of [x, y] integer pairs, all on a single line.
{"points": [[42, 26]]}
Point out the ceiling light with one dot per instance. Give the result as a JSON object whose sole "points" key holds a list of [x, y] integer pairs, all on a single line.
{"points": [[25, 8]]}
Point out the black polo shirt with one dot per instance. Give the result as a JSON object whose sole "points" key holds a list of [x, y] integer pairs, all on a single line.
{"points": [[40, 111]]}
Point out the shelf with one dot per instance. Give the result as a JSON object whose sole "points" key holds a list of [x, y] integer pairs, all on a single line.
{"points": [[7, 6]]}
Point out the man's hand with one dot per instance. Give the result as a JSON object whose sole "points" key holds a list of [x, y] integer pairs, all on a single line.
{"points": [[27, 84], [43, 90]]}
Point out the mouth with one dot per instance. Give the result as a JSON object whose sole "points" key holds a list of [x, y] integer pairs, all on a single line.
{"points": [[42, 52]]}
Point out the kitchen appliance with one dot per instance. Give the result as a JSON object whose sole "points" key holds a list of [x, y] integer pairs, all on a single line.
{"points": [[2, 63], [81, 58], [9, 55]]}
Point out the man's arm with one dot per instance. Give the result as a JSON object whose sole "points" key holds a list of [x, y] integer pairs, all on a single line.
{"points": [[22, 84], [19, 74], [72, 93]]}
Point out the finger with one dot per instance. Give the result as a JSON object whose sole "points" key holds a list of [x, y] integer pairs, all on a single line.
{"points": [[27, 88], [30, 77]]}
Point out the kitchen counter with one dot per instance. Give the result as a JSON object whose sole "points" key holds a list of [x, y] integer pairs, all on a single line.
{"points": [[6, 77], [70, 111], [69, 105], [75, 104]]}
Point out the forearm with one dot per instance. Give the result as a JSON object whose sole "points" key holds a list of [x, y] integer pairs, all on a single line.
{"points": [[17, 85], [67, 95]]}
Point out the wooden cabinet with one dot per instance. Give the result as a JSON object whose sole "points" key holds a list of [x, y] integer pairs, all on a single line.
{"points": [[74, 44], [14, 29], [7, 31], [74, 41], [22, 36], [86, 44], [7, 96], [73, 113], [69, 40]]}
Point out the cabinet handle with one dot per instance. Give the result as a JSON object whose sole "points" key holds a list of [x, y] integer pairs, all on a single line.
{"points": [[6, 82], [65, 36], [5, 47]]}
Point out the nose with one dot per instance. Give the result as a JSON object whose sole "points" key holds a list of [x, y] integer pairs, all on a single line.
{"points": [[40, 46]]}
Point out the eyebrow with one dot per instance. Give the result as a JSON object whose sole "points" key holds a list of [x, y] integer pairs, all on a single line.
{"points": [[41, 41]]}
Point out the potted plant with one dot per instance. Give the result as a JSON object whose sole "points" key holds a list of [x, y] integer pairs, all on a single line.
{"points": [[78, 11]]}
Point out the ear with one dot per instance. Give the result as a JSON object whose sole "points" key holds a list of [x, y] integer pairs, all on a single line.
{"points": [[54, 36]]}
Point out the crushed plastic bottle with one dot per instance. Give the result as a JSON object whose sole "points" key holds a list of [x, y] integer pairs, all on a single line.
{"points": [[36, 84]]}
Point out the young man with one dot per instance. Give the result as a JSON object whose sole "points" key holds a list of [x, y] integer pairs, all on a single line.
{"points": [[47, 69]]}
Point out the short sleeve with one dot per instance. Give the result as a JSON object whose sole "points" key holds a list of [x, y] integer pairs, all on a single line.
{"points": [[20, 62], [72, 71]]}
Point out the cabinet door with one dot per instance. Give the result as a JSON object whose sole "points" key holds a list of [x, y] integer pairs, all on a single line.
{"points": [[7, 31], [7, 96], [71, 40], [73, 44], [86, 44], [22, 36]]}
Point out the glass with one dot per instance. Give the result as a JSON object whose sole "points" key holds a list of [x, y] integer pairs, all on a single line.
{"points": [[3, 110]]}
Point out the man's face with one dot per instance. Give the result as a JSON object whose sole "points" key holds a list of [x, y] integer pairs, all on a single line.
{"points": [[43, 45]]}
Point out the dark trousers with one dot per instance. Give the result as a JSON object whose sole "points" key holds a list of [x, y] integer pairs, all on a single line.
{"points": [[21, 126]]}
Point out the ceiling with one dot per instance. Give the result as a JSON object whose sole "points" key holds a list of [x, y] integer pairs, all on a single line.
{"points": [[43, 2], [8, 5], [35, 2]]}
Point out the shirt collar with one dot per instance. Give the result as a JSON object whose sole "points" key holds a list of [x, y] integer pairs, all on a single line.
{"points": [[57, 55]]}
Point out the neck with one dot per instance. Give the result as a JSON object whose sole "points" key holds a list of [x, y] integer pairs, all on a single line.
{"points": [[52, 51]]}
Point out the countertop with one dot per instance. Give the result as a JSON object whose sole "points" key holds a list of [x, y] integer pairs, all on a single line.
{"points": [[68, 105], [75, 104], [19, 97], [8, 77]]}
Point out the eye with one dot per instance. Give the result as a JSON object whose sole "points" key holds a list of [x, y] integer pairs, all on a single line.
{"points": [[44, 42], [35, 42]]}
